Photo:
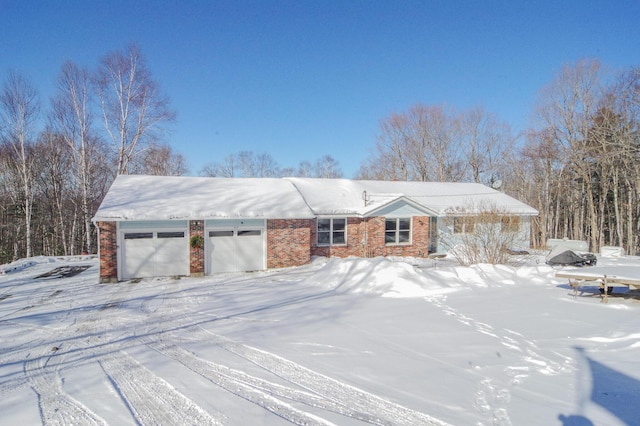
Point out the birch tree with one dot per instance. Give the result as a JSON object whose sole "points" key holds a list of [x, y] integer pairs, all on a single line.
{"points": [[134, 111], [55, 163], [19, 109], [73, 119]]}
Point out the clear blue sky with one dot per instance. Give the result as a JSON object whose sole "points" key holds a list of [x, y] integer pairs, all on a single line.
{"points": [[300, 79]]}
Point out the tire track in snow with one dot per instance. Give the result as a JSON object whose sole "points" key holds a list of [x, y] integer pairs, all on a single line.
{"points": [[252, 389], [43, 375], [260, 391], [56, 406], [384, 411], [152, 400], [324, 392]]}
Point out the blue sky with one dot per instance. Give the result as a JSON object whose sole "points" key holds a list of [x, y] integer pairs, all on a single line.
{"points": [[301, 79]]}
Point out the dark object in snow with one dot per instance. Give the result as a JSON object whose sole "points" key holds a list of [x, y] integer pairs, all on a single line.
{"points": [[64, 271], [517, 252], [563, 256], [609, 290]]}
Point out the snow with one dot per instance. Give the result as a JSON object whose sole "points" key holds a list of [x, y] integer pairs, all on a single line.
{"points": [[138, 197], [135, 197], [618, 272], [386, 341], [344, 196]]}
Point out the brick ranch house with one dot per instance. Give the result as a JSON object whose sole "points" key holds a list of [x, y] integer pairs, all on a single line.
{"points": [[167, 225]]}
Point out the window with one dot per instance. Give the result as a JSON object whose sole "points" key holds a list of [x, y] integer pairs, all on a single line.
{"points": [[397, 231], [510, 223], [463, 225], [215, 234], [249, 233], [138, 235], [170, 234], [332, 232]]}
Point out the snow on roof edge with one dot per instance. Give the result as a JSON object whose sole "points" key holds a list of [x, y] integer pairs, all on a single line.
{"points": [[138, 197]]}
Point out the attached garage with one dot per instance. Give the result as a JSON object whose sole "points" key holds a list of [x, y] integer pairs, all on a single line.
{"points": [[235, 245], [153, 249]]}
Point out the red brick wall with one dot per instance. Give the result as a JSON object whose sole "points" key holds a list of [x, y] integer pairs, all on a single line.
{"points": [[196, 254], [108, 249], [375, 246], [288, 242], [354, 246]]}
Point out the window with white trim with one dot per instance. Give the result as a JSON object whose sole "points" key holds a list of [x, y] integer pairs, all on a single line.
{"points": [[510, 223], [332, 231], [464, 224], [397, 231]]}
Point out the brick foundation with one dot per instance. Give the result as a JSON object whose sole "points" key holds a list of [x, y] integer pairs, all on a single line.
{"points": [[108, 249]]}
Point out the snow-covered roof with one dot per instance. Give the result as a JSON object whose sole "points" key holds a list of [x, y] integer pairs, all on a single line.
{"points": [[135, 197], [344, 196]]}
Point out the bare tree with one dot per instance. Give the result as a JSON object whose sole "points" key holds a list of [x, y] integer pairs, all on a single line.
{"points": [[327, 167], [419, 144], [244, 164], [566, 110], [389, 160], [226, 168], [73, 119], [485, 142], [19, 109], [55, 163], [160, 160], [265, 166], [133, 108], [305, 169]]}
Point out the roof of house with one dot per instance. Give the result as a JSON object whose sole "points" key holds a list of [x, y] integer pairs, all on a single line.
{"points": [[364, 197], [135, 197]]}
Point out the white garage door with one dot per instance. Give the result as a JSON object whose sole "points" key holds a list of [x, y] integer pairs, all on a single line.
{"points": [[148, 253], [235, 249]]}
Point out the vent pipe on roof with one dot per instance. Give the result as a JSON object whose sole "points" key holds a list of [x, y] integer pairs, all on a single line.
{"points": [[365, 198]]}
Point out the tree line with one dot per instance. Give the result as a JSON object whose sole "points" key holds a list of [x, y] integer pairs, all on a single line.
{"points": [[250, 164], [58, 158], [577, 163]]}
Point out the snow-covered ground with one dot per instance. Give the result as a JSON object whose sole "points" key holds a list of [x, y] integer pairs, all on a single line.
{"points": [[339, 341]]}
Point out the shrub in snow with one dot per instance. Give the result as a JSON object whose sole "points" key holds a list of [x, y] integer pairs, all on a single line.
{"points": [[483, 234]]}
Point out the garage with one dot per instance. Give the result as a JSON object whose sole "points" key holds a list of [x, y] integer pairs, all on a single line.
{"points": [[154, 249], [235, 246]]}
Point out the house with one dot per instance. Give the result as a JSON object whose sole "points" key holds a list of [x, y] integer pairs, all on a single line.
{"points": [[169, 225]]}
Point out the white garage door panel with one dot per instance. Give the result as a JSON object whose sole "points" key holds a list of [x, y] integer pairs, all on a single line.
{"points": [[138, 255], [235, 250], [172, 255], [250, 250], [155, 254], [222, 251]]}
